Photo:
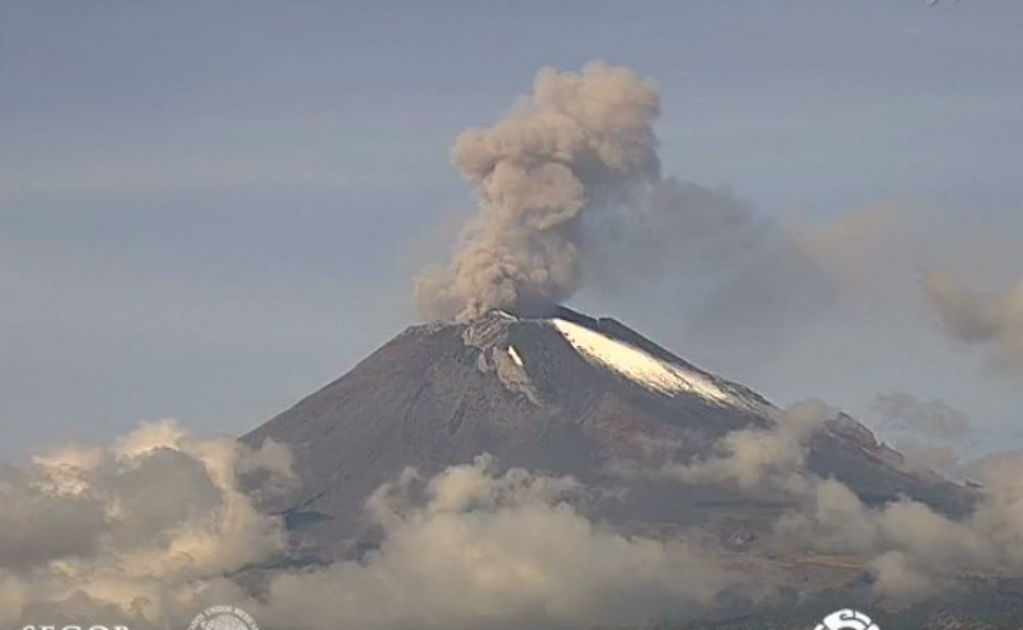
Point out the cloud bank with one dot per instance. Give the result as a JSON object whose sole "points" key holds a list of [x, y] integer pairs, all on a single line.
{"points": [[472, 548], [135, 533], [154, 529], [160, 525], [911, 550]]}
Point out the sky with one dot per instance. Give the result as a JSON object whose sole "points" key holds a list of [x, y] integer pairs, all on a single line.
{"points": [[210, 210]]}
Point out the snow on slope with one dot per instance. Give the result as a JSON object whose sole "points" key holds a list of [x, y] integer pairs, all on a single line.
{"points": [[637, 365]]}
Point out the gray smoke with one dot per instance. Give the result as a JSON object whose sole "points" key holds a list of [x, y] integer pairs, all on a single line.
{"points": [[904, 411], [930, 434], [578, 142]]}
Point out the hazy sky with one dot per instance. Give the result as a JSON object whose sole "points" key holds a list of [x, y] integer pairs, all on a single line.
{"points": [[208, 210]]}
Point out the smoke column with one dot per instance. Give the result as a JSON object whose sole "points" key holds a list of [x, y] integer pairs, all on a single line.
{"points": [[578, 142], [980, 318]]}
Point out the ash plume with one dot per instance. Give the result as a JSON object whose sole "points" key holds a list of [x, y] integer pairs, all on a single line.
{"points": [[904, 411], [578, 142], [978, 318]]}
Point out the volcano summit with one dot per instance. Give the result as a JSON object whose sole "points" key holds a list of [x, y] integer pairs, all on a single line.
{"points": [[564, 393]]}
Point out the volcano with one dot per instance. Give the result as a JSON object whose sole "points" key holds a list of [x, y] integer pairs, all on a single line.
{"points": [[556, 391], [562, 393]]}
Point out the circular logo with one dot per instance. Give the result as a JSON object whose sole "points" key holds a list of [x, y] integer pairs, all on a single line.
{"points": [[223, 618], [847, 619]]}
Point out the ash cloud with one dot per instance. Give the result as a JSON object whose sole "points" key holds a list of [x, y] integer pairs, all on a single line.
{"points": [[570, 194], [989, 319], [904, 411], [577, 143], [569, 189], [674, 226], [707, 256], [930, 434]]}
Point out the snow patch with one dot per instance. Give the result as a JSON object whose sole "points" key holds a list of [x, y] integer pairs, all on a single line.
{"points": [[515, 356], [639, 366]]}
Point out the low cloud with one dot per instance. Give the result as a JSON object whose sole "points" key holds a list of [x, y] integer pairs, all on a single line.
{"points": [[160, 525], [912, 550], [755, 458], [472, 548], [154, 529], [134, 533]]}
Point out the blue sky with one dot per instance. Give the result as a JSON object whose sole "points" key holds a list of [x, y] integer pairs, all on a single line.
{"points": [[208, 210]]}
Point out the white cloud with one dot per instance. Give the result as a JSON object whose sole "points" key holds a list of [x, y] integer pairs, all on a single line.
{"points": [[134, 533]]}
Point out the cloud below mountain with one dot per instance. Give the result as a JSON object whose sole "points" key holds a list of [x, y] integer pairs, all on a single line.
{"points": [[161, 524], [134, 533]]}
